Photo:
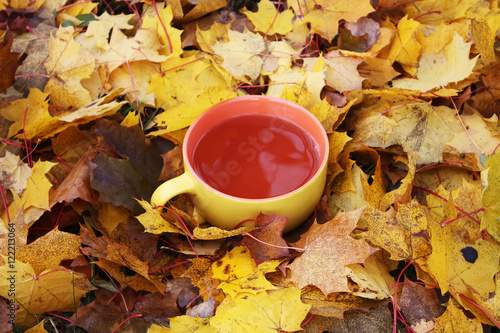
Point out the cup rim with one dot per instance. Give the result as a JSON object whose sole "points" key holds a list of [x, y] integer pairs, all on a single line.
{"points": [[322, 164]]}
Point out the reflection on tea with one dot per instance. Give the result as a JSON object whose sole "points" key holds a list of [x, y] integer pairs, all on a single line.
{"points": [[256, 156]]}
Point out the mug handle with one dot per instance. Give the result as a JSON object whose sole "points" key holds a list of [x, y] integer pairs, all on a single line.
{"points": [[171, 188]]}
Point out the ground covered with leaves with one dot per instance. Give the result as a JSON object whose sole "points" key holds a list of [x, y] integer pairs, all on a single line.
{"points": [[96, 100]]}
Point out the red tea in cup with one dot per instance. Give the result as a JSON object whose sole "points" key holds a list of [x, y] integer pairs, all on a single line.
{"points": [[256, 156]]}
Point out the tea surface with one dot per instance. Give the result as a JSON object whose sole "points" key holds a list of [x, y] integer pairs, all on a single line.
{"points": [[256, 156]]}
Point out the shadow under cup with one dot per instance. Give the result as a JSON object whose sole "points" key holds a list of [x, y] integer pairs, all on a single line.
{"points": [[226, 211]]}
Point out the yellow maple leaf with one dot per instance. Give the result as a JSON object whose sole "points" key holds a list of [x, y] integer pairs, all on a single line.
{"points": [[183, 115], [297, 93], [349, 193], [333, 305], [401, 233], [38, 328], [241, 55], [269, 21], [99, 29], [405, 49], [437, 70], [153, 221], [490, 178], [218, 32], [57, 290], [21, 4], [69, 13], [324, 15], [435, 12], [27, 113], [441, 37], [378, 71], [134, 79], [342, 73], [484, 308], [374, 190], [37, 189], [203, 8], [311, 76], [484, 136], [131, 119], [178, 84], [169, 36], [455, 320], [144, 45], [282, 311], [457, 261], [239, 273], [40, 124], [280, 57], [67, 68], [372, 278]]}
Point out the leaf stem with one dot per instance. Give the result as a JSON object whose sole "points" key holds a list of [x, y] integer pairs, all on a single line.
{"points": [[137, 315], [272, 245]]}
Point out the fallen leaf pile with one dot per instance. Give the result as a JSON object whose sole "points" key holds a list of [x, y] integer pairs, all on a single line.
{"points": [[96, 98]]}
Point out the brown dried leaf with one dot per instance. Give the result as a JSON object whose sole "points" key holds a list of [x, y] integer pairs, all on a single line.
{"points": [[8, 62], [419, 303], [268, 229]]}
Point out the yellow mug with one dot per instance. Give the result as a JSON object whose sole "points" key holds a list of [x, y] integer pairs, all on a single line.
{"points": [[226, 211]]}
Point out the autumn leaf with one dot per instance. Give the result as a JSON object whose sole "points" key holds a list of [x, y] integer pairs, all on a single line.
{"points": [[421, 302], [183, 115], [341, 73], [282, 310], [490, 179], [112, 254], [16, 173], [269, 21], [77, 182], [267, 242], [240, 274], [454, 320], [440, 11], [241, 54], [372, 278], [437, 70], [328, 248], [402, 233], [67, 68], [8, 63], [169, 36], [324, 20], [106, 312], [334, 305], [153, 221], [97, 98], [455, 261], [52, 290], [53, 247], [405, 49]]}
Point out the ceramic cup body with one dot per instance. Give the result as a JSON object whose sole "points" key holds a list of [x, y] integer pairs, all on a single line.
{"points": [[226, 211]]}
